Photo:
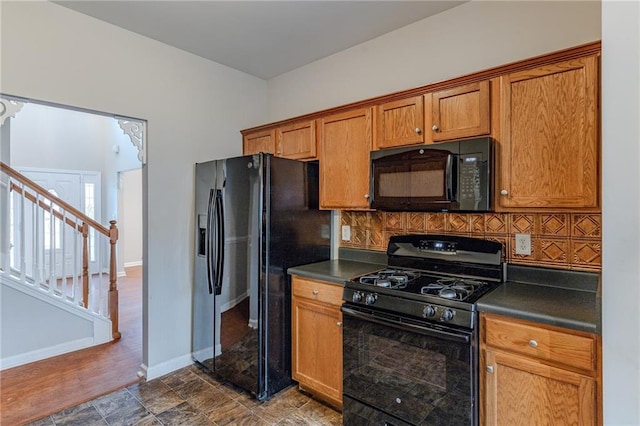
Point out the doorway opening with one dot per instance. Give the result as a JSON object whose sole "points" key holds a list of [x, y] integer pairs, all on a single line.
{"points": [[94, 161]]}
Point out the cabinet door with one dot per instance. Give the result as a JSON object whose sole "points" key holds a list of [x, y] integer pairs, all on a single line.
{"points": [[317, 348], [345, 143], [549, 144], [519, 391], [254, 143], [297, 141], [400, 123], [459, 112]]}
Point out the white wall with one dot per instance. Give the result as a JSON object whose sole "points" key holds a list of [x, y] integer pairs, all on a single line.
{"points": [[194, 107], [621, 211], [34, 326], [52, 137], [131, 219], [468, 38]]}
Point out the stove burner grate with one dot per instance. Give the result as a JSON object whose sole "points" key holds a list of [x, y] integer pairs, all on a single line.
{"points": [[390, 278], [452, 288]]}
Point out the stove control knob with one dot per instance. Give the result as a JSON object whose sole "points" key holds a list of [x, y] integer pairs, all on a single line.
{"points": [[357, 297], [447, 315], [428, 311], [370, 299]]}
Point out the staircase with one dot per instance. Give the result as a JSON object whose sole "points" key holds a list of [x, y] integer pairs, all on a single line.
{"points": [[57, 272]]}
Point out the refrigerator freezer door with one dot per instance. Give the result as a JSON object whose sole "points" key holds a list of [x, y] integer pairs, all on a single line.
{"points": [[202, 335], [237, 337]]}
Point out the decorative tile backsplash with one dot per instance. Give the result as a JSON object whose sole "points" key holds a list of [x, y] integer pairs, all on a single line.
{"points": [[558, 240]]}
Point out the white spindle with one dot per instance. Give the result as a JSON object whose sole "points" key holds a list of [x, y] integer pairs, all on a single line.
{"points": [[76, 270], [98, 258], [23, 249], [63, 255], [5, 257], [52, 249], [37, 276]]}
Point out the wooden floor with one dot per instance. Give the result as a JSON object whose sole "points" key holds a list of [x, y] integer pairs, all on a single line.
{"points": [[38, 389]]}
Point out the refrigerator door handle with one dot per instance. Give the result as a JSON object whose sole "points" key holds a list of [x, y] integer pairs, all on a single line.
{"points": [[208, 239], [219, 215]]}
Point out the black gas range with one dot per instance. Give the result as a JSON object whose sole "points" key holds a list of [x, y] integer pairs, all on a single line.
{"points": [[410, 332]]}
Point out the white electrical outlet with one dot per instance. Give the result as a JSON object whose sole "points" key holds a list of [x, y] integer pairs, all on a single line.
{"points": [[346, 233], [523, 244]]}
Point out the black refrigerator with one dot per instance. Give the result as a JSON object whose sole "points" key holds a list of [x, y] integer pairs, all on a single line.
{"points": [[256, 216]]}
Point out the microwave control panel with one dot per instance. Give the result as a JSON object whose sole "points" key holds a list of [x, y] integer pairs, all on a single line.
{"points": [[470, 179]]}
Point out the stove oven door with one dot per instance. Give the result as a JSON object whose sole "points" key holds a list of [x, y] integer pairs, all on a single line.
{"points": [[402, 372]]}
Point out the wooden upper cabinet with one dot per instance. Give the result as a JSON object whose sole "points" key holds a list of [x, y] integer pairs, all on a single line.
{"points": [[262, 141], [457, 113], [345, 143], [548, 136], [297, 141], [399, 123]]}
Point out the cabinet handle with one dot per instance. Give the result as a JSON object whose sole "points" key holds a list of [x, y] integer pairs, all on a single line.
{"points": [[533, 343], [435, 128], [489, 369], [418, 130], [339, 323], [504, 192], [315, 292]]}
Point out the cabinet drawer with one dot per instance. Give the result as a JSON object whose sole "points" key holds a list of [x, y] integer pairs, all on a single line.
{"points": [[559, 347], [317, 290]]}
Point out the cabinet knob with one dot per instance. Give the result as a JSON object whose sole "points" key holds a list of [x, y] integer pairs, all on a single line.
{"points": [[315, 292], [366, 196], [418, 130], [504, 192], [339, 323], [489, 369], [279, 152], [533, 343], [435, 128]]}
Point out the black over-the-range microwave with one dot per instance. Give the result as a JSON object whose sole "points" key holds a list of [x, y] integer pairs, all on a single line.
{"points": [[445, 176]]}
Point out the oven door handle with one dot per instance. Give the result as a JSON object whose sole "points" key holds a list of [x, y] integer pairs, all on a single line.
{"points": [[427, 331]]}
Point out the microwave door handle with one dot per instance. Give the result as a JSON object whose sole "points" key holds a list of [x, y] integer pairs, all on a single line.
{"points": [[209, 240], [449, 176]]}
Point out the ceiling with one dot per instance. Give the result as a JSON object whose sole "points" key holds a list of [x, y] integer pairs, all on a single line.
{"points": [[261, 38]]}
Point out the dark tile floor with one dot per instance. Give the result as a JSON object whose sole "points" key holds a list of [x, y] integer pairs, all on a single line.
{"points": [[190, 397]]}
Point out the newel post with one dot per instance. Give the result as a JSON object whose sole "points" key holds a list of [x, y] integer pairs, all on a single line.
{"points": [[113, 284]]}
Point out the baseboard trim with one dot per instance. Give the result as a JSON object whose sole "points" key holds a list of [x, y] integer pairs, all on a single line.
{"points": [[131, 264], [43, 353], [166, 367]]}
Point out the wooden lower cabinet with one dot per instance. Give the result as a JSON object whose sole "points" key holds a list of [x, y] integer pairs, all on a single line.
{"points": [[316, 338], [533, 374]]}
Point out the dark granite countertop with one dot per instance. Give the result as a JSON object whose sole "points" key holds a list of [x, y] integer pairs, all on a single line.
{"points": [[335, 271], [351, 263], [562, 298]]}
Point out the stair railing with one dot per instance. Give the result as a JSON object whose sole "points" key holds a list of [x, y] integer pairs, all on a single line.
{"points": [[49, 244]]}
